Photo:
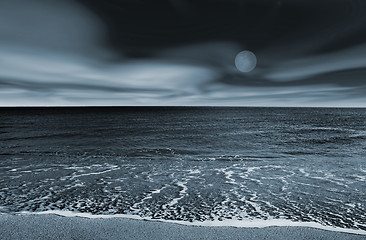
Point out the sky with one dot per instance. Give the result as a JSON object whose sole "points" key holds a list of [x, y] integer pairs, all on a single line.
{"points": [[182, 53]]}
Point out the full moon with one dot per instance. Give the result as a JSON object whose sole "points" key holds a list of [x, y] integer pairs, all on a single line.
{"points": [[245, 61]]}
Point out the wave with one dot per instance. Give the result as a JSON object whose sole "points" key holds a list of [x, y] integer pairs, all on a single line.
{"points": [[234, 158], [245, 223]]}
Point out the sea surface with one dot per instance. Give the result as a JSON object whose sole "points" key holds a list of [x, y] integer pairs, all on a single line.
{"points": [[187, 164]]}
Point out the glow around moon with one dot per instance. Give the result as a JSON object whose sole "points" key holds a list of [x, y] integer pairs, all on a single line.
{"points": [[245, 61]]}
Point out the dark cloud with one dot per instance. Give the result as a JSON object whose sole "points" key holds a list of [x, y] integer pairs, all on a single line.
{"points": [[181, 52], [257, 24], [59, 86], [57, 26]]}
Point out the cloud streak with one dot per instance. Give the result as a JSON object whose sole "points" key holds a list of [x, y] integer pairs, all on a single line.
{"points": [[170, 78], [49, 59], [296, 69]]}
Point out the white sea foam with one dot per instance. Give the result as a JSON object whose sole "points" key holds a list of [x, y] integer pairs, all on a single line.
{"points": [[252, 169], [257, 207], [196, 171], [352, 205], [95, 173], [148, 196], [360, 178], [329, 179], [302, 170], [245, 223], [228, 175], [182, 193]]}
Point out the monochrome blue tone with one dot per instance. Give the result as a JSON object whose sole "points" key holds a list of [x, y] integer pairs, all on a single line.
{"points": [[187, 164], [182, 53]]}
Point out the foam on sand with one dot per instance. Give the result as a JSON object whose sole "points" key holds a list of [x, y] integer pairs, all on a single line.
{"points": [[248, 223], [51, 226]]}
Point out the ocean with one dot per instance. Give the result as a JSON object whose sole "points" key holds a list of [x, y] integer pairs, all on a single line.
{"points": [[194, 165]]}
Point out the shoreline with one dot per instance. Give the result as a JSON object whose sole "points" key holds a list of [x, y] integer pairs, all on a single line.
{"points": [[52, 226], [257, 223]]}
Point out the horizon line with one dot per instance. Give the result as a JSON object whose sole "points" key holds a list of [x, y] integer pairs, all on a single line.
{"points": [[173, 106]]}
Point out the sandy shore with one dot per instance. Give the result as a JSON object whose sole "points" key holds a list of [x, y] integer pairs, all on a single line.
{"points": [[58, 227]]}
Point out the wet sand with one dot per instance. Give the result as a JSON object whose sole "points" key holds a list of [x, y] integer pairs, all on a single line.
{"points": [[51, 226]]}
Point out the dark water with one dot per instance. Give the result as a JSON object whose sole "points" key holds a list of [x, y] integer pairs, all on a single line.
{"points": [[190, 164]]}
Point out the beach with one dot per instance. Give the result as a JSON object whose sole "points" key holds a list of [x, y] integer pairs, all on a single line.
{"points": [[50, 226], [183, 173]]}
